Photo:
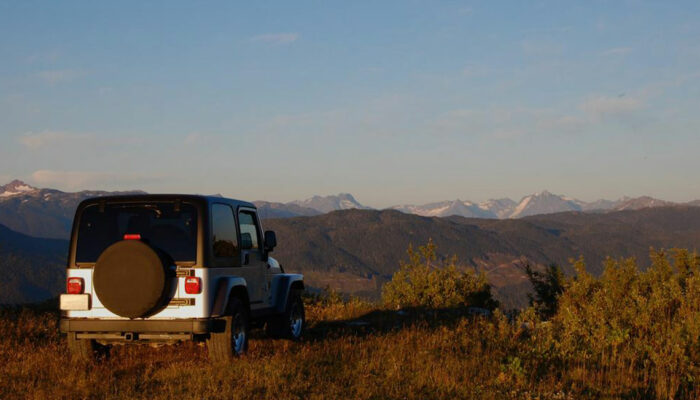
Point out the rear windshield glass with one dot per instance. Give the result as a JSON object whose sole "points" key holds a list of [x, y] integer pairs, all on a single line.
{"points": [[157, 223]]}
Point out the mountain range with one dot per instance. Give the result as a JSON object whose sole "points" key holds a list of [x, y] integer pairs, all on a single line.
{"points": [[536, 204], [314, 206], [49, 212]]}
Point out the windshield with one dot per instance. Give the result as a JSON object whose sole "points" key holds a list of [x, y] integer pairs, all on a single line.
{"points": [[160, 224]]}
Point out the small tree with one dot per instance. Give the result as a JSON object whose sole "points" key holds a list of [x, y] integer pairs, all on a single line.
{"points": [[426, 282], [548, 286]]}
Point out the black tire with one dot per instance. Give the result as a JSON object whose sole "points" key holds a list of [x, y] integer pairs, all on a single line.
{"points": [[290, 324], [85, 350], [224, 346]]}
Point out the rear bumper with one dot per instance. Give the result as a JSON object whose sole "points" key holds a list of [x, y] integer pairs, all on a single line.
{"points": [[186, 326]]}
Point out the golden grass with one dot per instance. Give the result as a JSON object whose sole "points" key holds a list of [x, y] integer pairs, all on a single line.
{"points": [[407, 357]]}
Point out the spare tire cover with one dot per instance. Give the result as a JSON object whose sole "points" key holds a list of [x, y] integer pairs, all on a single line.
{"points": [[131, 279]]}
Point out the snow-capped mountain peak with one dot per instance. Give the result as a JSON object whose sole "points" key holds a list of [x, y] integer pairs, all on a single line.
{"points": [[544, 202], [16, 187], [324, 204], [640, 202], [447, 209], [502, 208], [522, 206]]}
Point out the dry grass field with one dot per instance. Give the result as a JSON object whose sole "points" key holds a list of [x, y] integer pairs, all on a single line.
{"points": [[627, 334], [394, 357], [435, 355]]}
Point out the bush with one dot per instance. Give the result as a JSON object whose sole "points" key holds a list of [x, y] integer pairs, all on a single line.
{"points": [[639, 327], [426, 282]]}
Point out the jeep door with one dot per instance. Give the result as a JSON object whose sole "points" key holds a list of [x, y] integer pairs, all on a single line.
{"points": [[253, 264]]}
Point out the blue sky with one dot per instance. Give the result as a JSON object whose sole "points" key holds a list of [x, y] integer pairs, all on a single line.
{"points": [[395, 102]]}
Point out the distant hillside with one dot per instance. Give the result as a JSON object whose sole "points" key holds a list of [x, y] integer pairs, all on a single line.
{"points": [[358, 250], [32, 269]]}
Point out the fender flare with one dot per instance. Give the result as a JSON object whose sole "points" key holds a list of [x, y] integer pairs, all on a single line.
{"points": [[282, 285], [225, 286]]}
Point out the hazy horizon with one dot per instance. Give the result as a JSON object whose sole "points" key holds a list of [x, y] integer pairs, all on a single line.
{"points": [[393, 102]]}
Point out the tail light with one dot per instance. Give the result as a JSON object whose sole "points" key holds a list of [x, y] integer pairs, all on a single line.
{"points": [[193, 285], [74, 285], [132, 236]]}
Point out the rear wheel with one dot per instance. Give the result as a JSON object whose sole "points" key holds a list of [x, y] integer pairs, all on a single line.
{"points": [[291, 324], [233, 341], [85, 350]]}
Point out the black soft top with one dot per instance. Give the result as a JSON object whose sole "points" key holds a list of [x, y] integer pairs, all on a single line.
{"points": [[193, 198]]}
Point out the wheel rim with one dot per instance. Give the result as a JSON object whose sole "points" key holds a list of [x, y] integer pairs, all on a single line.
{"points": [[296, 321], [238, 337]]}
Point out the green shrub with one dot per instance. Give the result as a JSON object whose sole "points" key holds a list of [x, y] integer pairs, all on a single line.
{"points": [[643, 327], [425, 281]]}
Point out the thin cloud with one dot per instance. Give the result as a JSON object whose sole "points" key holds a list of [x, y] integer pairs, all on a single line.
{"points": [[471, 71], [541, 47], [276, 38], [562, 124], [511, 122], [602, 106], [465, 11], [617, 51], [54, 76], [42, 139], [551, 30], [48, 56], [193, 138], [493, 122], [80, 180]]}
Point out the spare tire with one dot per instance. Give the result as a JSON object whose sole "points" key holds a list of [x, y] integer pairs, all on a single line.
{"points": [[132, 279]]}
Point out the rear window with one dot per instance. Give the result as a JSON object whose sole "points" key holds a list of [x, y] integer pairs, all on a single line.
{"points": [[160, 224]]}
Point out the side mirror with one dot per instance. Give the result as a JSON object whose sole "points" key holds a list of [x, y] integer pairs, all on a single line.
{"points": [[270, 240], [246, 241]]}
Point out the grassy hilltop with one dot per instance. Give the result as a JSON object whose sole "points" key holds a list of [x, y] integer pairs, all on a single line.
{"points": [[627, 334]]}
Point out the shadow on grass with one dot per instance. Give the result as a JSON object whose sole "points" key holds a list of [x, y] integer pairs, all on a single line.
{"points": [[379, 321], [387, 321]]}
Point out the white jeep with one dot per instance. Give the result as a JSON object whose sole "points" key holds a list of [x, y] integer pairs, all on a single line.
{"points": [[165, 268]]}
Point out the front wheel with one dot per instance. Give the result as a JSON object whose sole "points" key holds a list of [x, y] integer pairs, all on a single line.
{"points": [[233, 341], [292, 322]]}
